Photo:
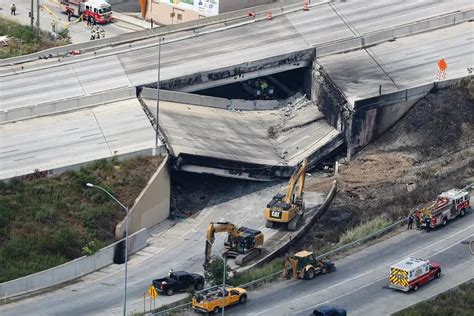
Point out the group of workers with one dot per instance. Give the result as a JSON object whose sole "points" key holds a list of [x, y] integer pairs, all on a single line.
{"points": [[418, 220]]}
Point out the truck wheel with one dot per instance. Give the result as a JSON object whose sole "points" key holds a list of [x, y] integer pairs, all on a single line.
{"points": [[438, 274], [309, 274], [243, 299], [216, 310], [415, 287], [462, 212], [445, 221], [169, 292], [199, 286]]}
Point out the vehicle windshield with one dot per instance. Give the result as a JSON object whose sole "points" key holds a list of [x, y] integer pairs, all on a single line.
{"points": [[105, 10]]}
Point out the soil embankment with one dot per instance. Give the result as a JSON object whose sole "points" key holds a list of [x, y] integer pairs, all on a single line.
{"points": [[430, 150]]}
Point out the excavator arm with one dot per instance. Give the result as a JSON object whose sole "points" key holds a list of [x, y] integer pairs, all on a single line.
{"points": [[212, 229], [296, 181]]}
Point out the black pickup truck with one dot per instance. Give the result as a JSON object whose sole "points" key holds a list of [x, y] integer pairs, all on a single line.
{"points": [[179, 281]]}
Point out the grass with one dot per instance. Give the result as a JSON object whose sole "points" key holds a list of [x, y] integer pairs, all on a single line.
{"points": [[363, 230], [25, 40], [258, 273], [457, 301], [45, 222]]}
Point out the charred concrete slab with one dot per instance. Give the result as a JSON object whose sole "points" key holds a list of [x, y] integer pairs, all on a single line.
{"points": [[365, 92], [257, 145], [240, 72]]}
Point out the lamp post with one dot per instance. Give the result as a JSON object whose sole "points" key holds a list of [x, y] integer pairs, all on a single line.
{"points": [[158, 95], [90, 185], [224, 260]]}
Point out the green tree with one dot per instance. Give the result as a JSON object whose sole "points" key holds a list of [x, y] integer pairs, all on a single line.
{"points": [[216, 270]]}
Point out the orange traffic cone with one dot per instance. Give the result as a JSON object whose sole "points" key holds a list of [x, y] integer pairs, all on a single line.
{"points": [[269, 15], [305, 5]]}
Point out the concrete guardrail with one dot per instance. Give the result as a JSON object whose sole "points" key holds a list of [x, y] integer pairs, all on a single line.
{"points": [[280, 7], [368, 39], [65, 105], [71, 270]]}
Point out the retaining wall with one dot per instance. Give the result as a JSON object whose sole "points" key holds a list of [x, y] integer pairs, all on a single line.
{"points": [[152, 205], [373, 116], [71, 270], [292, 239], [65, 105]]}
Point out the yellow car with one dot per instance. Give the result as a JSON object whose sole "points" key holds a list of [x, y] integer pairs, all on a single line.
{"points": [[210, 301]]}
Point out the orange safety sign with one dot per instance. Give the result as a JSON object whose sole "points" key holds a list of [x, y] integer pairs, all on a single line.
{"points": [[152, 292], [442, 65]]}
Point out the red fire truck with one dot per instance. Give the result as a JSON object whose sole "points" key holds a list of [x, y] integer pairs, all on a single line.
{"points": [[411, 273], [99, 11], [447, 206]]}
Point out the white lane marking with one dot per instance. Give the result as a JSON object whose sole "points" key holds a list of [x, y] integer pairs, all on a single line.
{"points": [[372, 270]]}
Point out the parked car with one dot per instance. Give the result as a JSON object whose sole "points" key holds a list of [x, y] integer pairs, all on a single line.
{"points": [[211, 300], [179, 281], [329, 311]]}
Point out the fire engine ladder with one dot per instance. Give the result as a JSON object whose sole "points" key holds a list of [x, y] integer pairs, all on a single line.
{"points": [[436, 205]]}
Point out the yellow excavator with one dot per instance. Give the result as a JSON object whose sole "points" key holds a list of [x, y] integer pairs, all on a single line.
{"points": [[242, 243], [288, 208]]}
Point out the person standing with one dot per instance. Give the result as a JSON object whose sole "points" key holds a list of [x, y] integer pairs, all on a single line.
{"points": [[13, 9], [89, 20], [427, 223], [410, 221]]}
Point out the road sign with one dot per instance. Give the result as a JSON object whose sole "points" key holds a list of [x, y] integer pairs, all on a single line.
{"points": [[442, 65], [152, 292]]}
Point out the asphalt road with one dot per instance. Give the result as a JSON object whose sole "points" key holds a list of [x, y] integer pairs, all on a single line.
{"points": [[404, 63], [78, 31], [254, 41], [360, 283], [180, 247], [80, 136]]}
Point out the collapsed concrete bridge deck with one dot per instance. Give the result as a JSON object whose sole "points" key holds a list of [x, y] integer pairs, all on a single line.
{"points": [[218, 137]]}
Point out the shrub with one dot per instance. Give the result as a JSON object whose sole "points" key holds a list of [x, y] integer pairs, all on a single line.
{"points": [[215, 271], [363, 230]]}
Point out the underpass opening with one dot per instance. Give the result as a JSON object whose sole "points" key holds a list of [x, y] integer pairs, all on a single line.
{"points": [[277, 86]]}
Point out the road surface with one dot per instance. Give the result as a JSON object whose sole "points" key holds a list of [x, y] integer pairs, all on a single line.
{"points": [[77, 30], [360, 283], [254, 41], [62, 140], [180, 247]]}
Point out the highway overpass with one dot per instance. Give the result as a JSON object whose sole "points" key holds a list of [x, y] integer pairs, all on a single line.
{"points": [[286, 39]]}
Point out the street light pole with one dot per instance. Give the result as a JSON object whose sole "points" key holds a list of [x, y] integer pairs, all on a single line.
{"points": [[158, 96], [90, 185], [224, 260]]}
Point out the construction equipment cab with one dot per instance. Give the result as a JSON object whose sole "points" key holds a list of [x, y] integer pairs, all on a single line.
{"points": [[411, 273], [288, 208], [448, 205], [304, 265], [241, 243], [99, 10], [210, 301]]}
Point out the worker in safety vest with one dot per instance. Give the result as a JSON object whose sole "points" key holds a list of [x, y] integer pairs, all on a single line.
{"points": [[410, 221], [428, 222]]}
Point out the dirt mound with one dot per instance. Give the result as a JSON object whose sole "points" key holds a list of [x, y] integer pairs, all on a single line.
{"points": [[441, 122], [430, 150]]}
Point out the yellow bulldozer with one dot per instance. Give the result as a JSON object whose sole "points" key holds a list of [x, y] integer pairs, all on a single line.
{"points": [[305, 265], [242, 243], [288, 208]]}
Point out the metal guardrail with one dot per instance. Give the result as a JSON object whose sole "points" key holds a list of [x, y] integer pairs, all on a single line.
{"points": [[273, 275], [325, 255]]}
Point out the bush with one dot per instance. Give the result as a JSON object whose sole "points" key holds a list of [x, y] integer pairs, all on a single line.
{"points": [[91, 248], [215, 271], [363, 230]]}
